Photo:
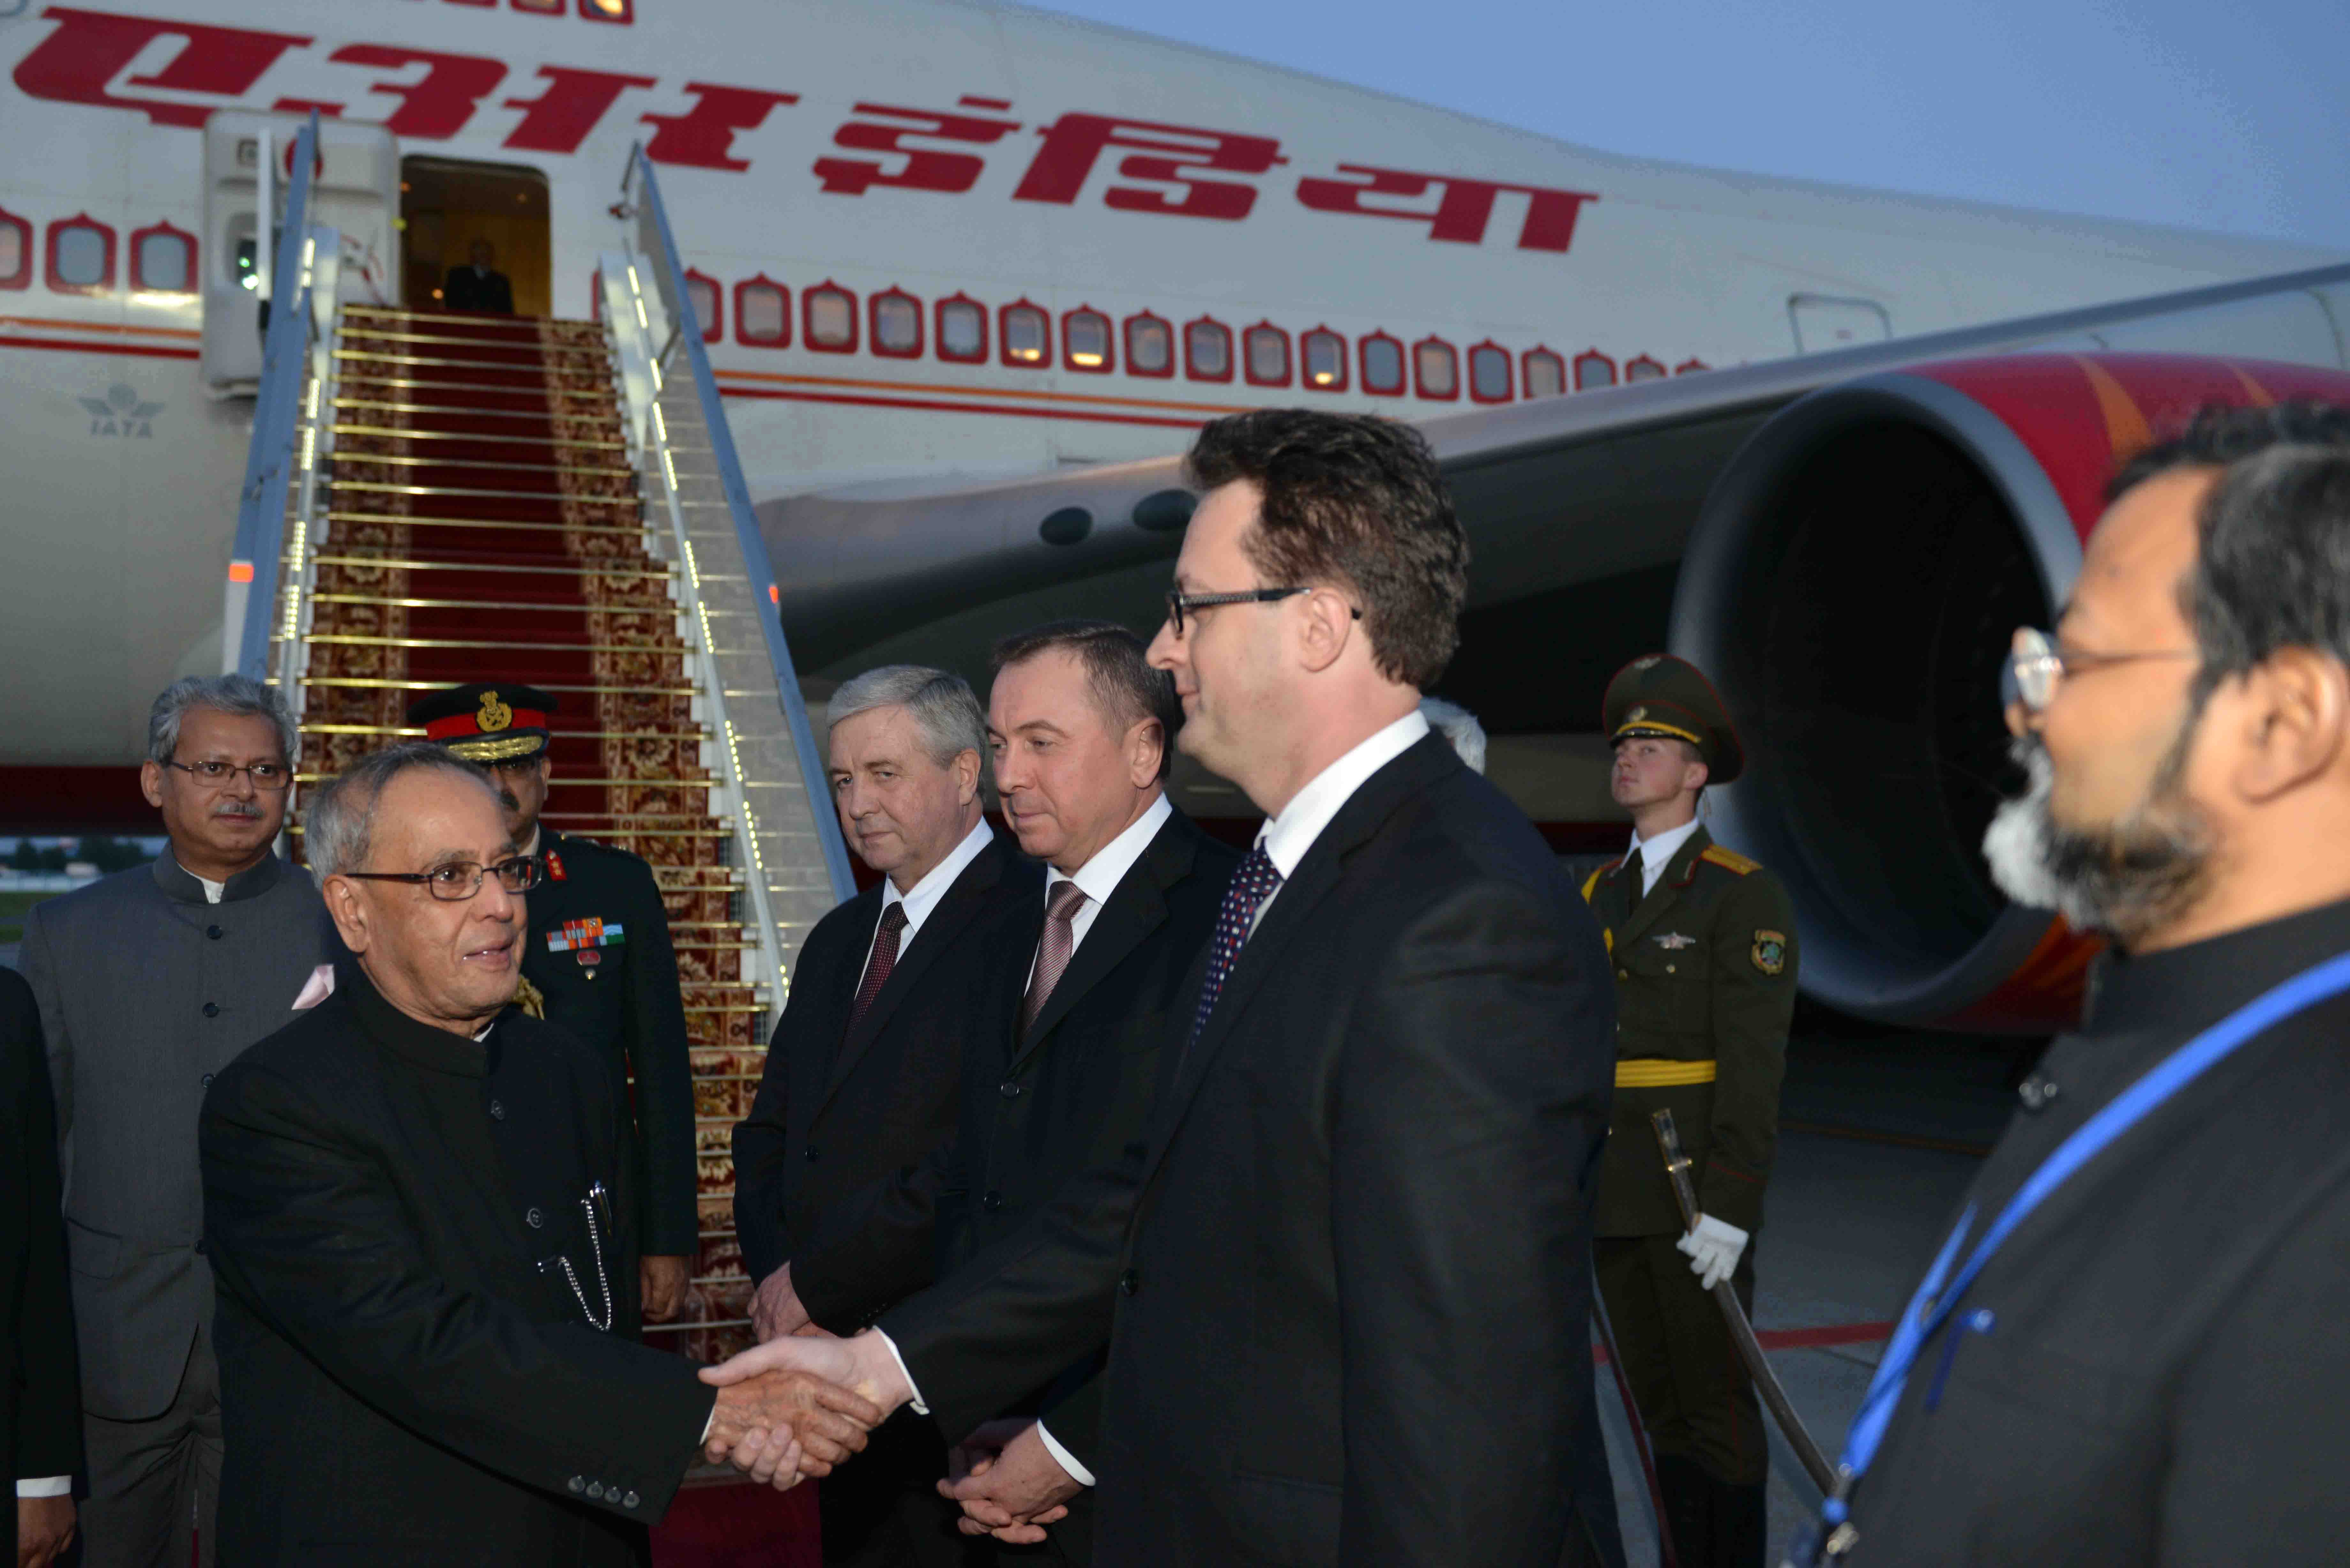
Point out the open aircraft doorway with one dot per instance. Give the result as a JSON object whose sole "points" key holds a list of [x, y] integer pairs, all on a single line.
{"points": [[449, 208]]}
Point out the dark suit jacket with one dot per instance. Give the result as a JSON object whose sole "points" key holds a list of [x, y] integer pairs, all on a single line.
{"points": [[838, 1111], [402, 1380], [462, 290], [1085, 1074], [40, 1398], [1346, 1278], [628, 1005]]}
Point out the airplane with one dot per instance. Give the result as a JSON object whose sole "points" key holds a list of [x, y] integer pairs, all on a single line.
{"points": [[970, 274]]}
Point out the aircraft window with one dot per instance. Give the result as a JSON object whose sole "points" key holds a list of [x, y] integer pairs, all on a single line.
{"points": [[1545, 374], [1325, 360], [1436, 367], [1028, 335], [1645, 369], [1149, 346], [831, 312], [1686, 366], [707, 310], [541, 7], [1208, 350], [163, 260], [622, 12], [763, 313], [1383, 366], [963, 330], [896, 325], [1085, 340], [81, 256], [1489, 373], [1593, 368], [1268, 355], [15, 252]]}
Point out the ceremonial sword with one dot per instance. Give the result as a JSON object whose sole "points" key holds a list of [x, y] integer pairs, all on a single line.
{"points": [[1741, 1333]]}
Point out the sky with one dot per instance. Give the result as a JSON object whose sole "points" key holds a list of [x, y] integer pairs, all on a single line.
{"points": [[2231, 116]]}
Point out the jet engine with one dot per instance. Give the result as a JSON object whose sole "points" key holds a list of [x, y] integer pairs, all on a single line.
{"points": [[1852, 585]]}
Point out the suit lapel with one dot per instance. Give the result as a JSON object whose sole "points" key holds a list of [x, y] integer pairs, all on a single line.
{"points": [[1135, 909], [1646, 911], [956, 910]]}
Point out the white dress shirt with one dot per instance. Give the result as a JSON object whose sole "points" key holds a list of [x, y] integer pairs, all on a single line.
{"points": [[1657, 852], [213, 890], [923, 896]]}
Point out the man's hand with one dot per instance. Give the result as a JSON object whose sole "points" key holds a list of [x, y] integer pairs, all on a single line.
{"points": [[1714, 1247], [1014, 1494], [862, 1368], [44, 1528], [775, 1310], [782, 1425], [663, 1280]]}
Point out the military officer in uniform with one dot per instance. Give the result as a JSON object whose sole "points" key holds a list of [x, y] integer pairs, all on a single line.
{"points": [[1703, 945], [597, 962]]}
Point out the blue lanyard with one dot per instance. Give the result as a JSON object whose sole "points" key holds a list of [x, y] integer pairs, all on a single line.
{"points": [[1937, 1300]]}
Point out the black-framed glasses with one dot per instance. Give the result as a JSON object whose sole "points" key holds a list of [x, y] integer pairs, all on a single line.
{"points": [[462, 879], [212, 773], [1179, 603], [2036, 665]]}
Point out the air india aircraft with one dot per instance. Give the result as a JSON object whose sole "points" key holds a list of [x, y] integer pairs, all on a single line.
{"points": [[969, 275]]}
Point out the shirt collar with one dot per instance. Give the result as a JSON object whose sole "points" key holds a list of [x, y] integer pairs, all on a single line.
{"points": [[412, 1038], [1660, 851], [1288, 837], [2181, 990], [923, 896], [1098, 877], [182, 885]]}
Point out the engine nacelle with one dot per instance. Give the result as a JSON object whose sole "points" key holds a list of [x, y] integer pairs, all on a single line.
{"points": [[1852, 585]]}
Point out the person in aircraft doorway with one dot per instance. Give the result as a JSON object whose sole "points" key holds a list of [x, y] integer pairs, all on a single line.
{"points": [[478, 286], [1703, 946]]}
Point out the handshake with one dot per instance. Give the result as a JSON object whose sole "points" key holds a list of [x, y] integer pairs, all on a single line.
{"points": [[798, 1405]]}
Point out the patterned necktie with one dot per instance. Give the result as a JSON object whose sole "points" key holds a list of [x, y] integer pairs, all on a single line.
{"points": [[877, 967], [1252, 883], [1052, 950]]}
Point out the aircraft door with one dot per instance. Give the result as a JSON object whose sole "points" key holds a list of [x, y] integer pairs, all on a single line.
{"points": [[1825, 321], [464, 225], [355, 189]]}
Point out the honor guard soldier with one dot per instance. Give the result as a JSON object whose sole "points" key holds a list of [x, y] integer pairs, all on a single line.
{"points": [[1703, 945], [597, 961]]}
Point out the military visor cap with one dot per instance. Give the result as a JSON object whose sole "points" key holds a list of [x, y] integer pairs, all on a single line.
{"points": [[486, 722], [1658, 694]]}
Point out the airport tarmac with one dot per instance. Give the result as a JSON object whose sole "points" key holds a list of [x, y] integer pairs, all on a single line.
{"points": [[1880, 1134]]}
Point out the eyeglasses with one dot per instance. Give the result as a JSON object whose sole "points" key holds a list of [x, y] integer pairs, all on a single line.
{"points": [[462, 879], [2036, 665], [1179, 603], [269, 777]]}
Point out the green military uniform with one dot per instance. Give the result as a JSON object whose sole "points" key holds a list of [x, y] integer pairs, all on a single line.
{"points": [[597, 961], [1705, 979]]}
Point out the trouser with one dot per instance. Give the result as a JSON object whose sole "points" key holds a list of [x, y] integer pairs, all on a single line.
{"points": [[1703, 1416], [154, 1485], [882, 1509]]}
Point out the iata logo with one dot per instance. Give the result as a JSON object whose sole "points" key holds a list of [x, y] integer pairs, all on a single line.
{"points": [[120, 413]]}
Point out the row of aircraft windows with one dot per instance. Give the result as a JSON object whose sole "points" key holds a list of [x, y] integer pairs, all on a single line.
{"points": [[960, 329], [80, 258]]}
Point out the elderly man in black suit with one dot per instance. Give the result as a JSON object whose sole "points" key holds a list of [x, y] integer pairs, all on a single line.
{"points": [[1081, 727], [865, 1071], [417, 1199], [1345, 1278], [40, 1407]]}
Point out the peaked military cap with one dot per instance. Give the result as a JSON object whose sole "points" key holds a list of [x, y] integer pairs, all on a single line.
{"points": [[486, 722], [1658, 694]]}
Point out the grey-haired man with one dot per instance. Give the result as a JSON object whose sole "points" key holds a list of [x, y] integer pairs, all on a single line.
{"points": [[149, 981]]}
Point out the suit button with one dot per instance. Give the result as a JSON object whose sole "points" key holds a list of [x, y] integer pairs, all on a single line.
{"points": [[577, 1483], [629, 1501], [200, 1246], [1668, 968], [215, 932], [810, 1153], [1128, 1283], [212, 1010], [497, 1110], [206, 1080], [991, 1202], [1009, 1091], [536, 1219], [1623, 974], [596, 1488], [2035, 1091]]}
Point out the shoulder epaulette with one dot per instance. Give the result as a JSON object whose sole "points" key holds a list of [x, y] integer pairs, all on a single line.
{"points": [[1591, 883], [1730, 859]]}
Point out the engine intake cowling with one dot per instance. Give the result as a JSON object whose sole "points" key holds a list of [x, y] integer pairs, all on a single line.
{"points": [[1852, 585]]}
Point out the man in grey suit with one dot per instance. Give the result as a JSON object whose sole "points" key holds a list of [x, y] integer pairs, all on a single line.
{"points": [[148, 983]]}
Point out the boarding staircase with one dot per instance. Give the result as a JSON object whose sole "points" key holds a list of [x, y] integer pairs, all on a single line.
{"points": [[461, 497]]}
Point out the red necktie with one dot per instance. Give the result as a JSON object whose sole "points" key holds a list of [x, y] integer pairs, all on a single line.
{"points": [[883, 959], [1053, 950]]}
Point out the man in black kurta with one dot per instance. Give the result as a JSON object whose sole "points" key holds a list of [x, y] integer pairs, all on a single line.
{"points": [[2152, 1368]]}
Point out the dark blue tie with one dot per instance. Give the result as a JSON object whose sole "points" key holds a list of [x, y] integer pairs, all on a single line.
{"points": [[1252, 883]]}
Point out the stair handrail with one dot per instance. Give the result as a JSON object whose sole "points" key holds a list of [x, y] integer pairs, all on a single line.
{"points": [[640, 189], [254, 567]]}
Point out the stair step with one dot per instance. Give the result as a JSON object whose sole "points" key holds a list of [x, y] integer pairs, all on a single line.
{"points": [[519, 419], [383, 684], [472, 438], [401, 563], [454, 463], [362, 641], [487, 524]]}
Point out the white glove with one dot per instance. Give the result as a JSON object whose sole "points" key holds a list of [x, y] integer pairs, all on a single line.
{"points": [[1714, 1247]]}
